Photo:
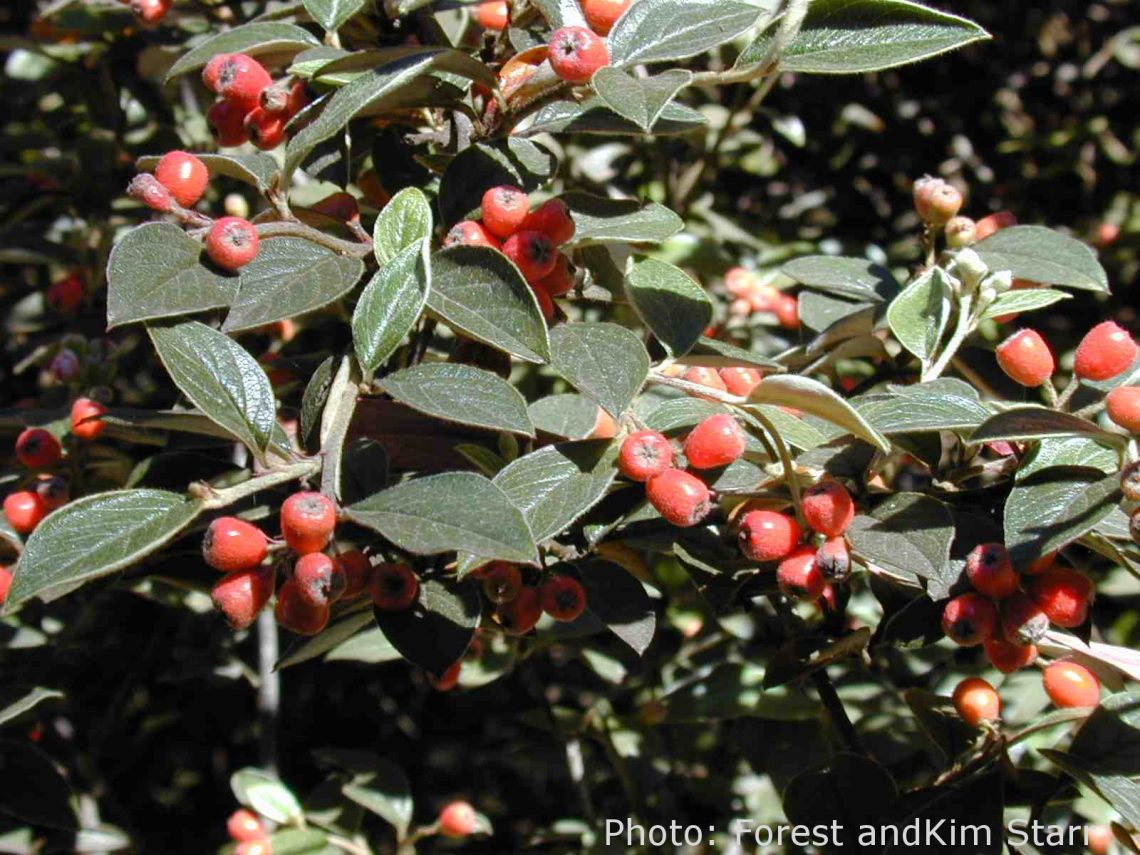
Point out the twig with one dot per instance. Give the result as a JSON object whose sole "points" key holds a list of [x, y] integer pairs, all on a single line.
{"points": [[213, 499], [269, 690], [836, 711], [352, 248]]}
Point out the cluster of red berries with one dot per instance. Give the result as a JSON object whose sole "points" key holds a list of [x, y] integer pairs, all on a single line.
{"points": [[1068, 684], [251, 107], [38, 449], [248, 833], [806, 570], [528, 238], [738, 380], [518, 606], [178, 183], [601, 15], [750, 295], [1007, 612]]}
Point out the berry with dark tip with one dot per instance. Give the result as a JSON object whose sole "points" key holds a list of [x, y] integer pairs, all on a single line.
{"points": [[297, 614], [504, 209], [969, 619], [533, 253], [679, 497], [242, 594], [320, 581], [36, 448], [575, 53], [990, 571], [394, 587], [1022, 620], [563, 598], [232, 242], [307, 521], [501, 582], [520, 615]]}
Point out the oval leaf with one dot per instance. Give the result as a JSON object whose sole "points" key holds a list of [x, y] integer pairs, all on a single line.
{"points": [[661, 30], [811, 396], [570, 415], [1043, 255], [404, 221], [600, 220], [332, 14], [619, 601], [592, 116], [1025, 423], [639, 99], [908, 535], [254, 39], [673, 306], [266, 795], [1026, 300], [1053, 509], [390, 305], [602, 360], [856, 278], [461, 393], [918, 316]]}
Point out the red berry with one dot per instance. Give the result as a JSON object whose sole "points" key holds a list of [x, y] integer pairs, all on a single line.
{"points": [[298, 98], [232, 544], [799, 576], [36, 448], [828, 508], [545, 301], [1022, 620], [1071, 685], [65, 295], [533, 253], [266, 130], [150, 191], [243, 825], [788, 312], [151, 11], [563, 598], [601, 15], [717, 441], [519, 616], [1025, 358], [24, 510], [976, 701], [307, 521], [969, 619], [1040, 565], [501, 581], [241, 78], [470, 233], [297, 614], [213, 70], [394, 587], [357, 571], [492, 14], [1100, 838], [644, 454], [739, 380], [1123, 406], [834, 559], [679, 497], [604, 426], [457, 819], [1063, 595], [254, 847], [86, 423], [768, 536], [231, 242], [504, 209], [702, 375], [560, 280], [1008, 657], [320, 581], [553, 219], [990, 571], [993, 223], [184, 175], [575, 53], [227, 123], [1105, 351], [5, 584], [53, 491], [242, 594], [449, 679]]}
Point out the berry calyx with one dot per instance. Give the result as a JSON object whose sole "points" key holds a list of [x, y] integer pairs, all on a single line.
{"points": [[24, 510], [504, 210], [501, 582], [768, 536], [1008, 657], [576, 53], [213, 70], [53, 491], [320, 581], [242, 594], [976, 701], [563, 598], [232, 544], [601, 15], [184, 175], [470, 233], [1063, 595], [231, 242], [244, 825], [520, 615], [227, 123], [799, 576], [533, 253], [828, 508], [151, 192], [394, 587], [1025, 358], [553, 219], [1022, 620], [357, 571], [240, 78], [969, 619], [834, 559], [679, 497], [1070, 685], [644, 455], [36, 448], [716, 441], [739, 380], [1105, 351], [297, 614], [307, 521], [457, 819], [1123, 406], [86, 421], [990, 571], [492, 14]]}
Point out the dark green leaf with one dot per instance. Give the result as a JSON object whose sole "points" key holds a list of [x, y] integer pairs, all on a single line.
{"points": [[404, 221], [1054, 508], [619, 601], [1024, 423], [592, 116], [602, 360], [732, 690], [662, 30], [42, 796], [384, 790], [569, 415], [599, 220], [855, 278], [390, 305], [258, 38], [638, 99], [436, 630], [1043, 255], [332, 14], [673, 306], [478, 168], [918, 316], [313, 402], [811, 396], [266, 795], [943, 404], [460, 393], [1072, 452], [907, 535], [336, 633], [852, 791]]}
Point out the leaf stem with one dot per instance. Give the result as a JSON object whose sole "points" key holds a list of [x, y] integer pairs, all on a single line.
{"points": [[962, 329], [282, 228], [213, 499]]}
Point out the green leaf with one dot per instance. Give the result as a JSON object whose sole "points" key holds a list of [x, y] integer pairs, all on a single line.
{"points": [[1023, 300], [436, 630], [638, 99], [17, 700], [1071, 452], [460, 393], [404, 221], [592, 116], [263, 37], [856, 278], [313, 402], [479, 292], [339, 630], [1024, 423], [918, 316], [907, 535], [556, 485], [290, 277], [1119, 790], [332, 14], [257, 169], [390, 305], [673, 306], [811, 396], [1054, 508], [943, 404], [601, 220], [602, 360], [384, 790], [1043, 255], [156, 271], [42, 797], [852, 791], [720, 354], [561, 13], [663, 30], [479, 167], [94, 536], [619, 601], [266, 795], [220, 378], [570, 415], [446, 512], [856, 36]]}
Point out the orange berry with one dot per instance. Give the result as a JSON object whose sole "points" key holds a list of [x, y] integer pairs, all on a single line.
{"points": [[307, 521], [243, 825], [297, 614], [799, 576], [679, 497], [576, 53], [717, 441], [738, 281], [5, 584], [788, 312], [504, 210], [227, 123], [828, 508], [768, 536], [563, 598], [1008, 657], [1105, 351], [553, 219], [320, 581], [976, 701], [24, 510], [357, 571], [960, 232], [233, 544], [993, 223], [457, 819], [394, 587], [533, 254], [232, 242], [1130, 482], [1022, 620], [560, 280], [1123, 406], [36, 448], [265, 130], [519, 616], [969, 619], [184, 175], [702, 375], [241, 78], [604, 426], [990, 571], [470, 233], [1063, 595], [254, 847], [601, 15], [1099, 838], [1025, 357], [86, 423], [492, 14], [644, 454], [1071, 685], [739, 380], [242, 594]]}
